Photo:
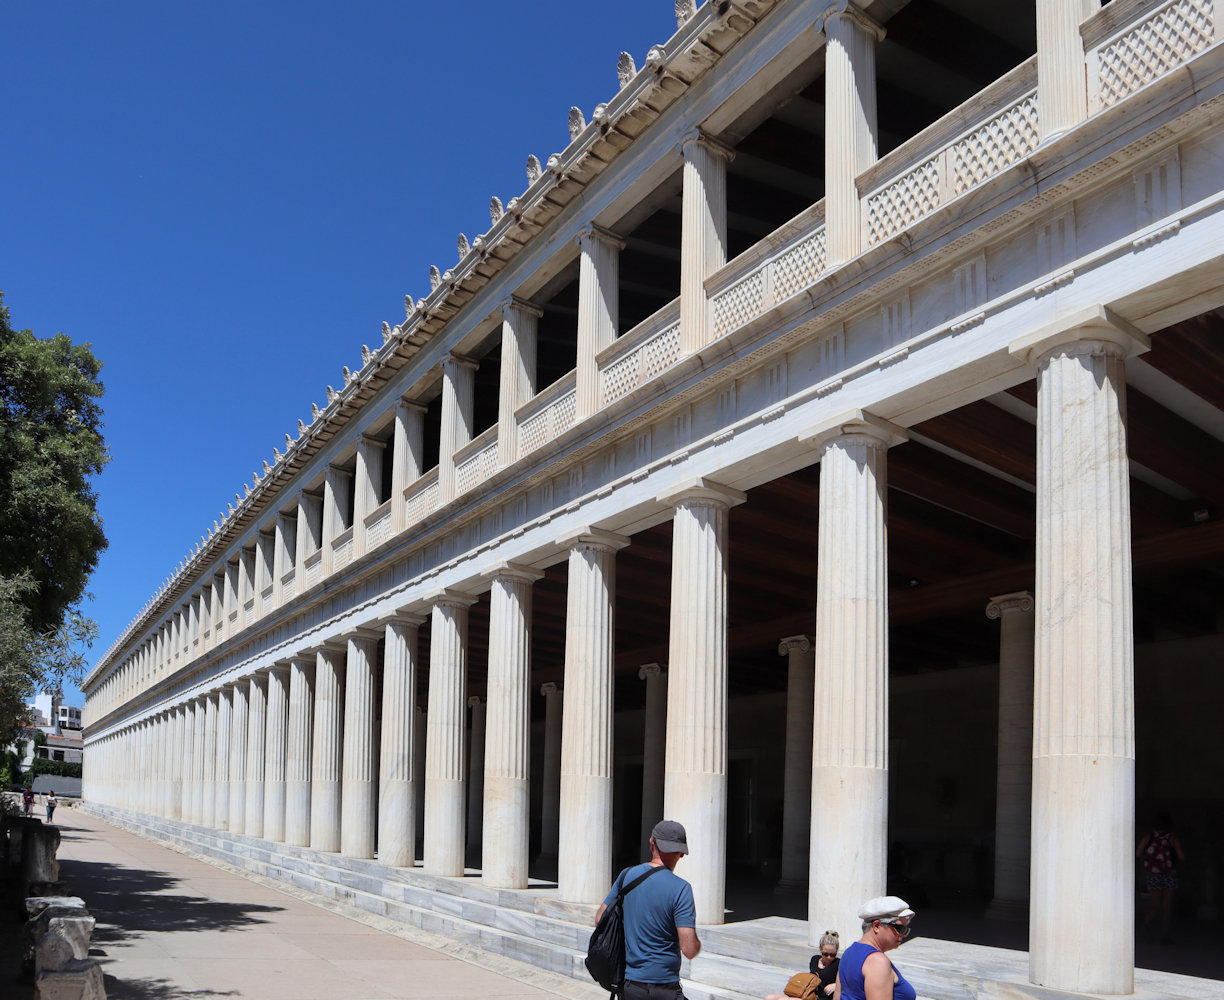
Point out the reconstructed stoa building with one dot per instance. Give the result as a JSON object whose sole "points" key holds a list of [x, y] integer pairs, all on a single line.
{"points": [[825, 450]]}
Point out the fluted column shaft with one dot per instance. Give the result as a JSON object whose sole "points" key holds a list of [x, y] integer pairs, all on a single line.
{"points": [[444, 764], [407, 457], [1014, 781], [506, 819], [797, 762], [178, 761], [360, 779], [1062, 82], [275, 749], [198, 742], [397, 785], [458, 382], [850, 124], [584, 863], [598, 309], [849, 823], [518, 372], [297, 763], [654, 748], [550, 781], [1084, 714], [703, 233], [225, 720], [238, 758], [257, 726], [475, 773], [325, 750], [695, 791]]}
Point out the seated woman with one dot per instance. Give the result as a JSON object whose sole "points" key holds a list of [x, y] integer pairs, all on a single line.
{"points": [[824, 964]]}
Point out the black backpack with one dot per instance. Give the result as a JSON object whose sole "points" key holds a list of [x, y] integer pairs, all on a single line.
{"points": [[605, 959]]}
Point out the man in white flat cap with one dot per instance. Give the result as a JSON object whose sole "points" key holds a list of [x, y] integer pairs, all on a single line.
{"points": [[660, 918], [865, 972]]}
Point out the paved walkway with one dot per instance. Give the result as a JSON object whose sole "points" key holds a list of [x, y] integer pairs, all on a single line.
{"points": [[171, 926]]}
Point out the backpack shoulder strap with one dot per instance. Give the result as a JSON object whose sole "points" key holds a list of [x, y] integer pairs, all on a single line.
{"points": [[641, 878]]}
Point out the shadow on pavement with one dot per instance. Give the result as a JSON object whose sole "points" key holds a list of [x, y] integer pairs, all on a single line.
{"points": [[157, 989]]}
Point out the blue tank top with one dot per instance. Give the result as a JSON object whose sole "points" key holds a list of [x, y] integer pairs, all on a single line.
{"points": [[850, 972]]}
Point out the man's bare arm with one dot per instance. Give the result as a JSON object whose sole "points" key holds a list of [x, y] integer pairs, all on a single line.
{"points": [[690, 944], [600, 913]]}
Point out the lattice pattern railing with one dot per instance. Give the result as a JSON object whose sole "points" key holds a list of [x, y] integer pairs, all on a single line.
{"points": [[787, 271], [314, 569], [476, 468], [423, 500], [1166, 38], [378, 526], [976, 155], [640, 365], [342, 551], [547, 424], [287, 585]]}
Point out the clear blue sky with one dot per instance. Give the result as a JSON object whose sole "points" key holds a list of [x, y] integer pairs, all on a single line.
{"points": [[227, 199]]}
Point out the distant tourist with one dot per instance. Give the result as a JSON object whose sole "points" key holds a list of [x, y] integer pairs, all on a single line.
{"points": [[27, 801], [1160, 850], [51, 802]]}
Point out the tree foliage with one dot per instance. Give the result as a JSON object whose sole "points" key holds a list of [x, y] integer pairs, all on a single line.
{"points": [[50, 445], [50, 533]]}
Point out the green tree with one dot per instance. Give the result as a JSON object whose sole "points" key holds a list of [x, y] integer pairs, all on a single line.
{"points": [[50, 533]]}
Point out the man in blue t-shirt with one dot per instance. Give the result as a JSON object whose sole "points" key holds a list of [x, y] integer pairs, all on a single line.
{"points": [[660, 920]]}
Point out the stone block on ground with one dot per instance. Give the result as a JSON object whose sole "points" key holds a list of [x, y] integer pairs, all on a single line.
{"points": [[38, 847]]}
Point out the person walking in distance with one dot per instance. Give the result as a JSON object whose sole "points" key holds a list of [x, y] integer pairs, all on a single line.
{"points": [[660, 919]]}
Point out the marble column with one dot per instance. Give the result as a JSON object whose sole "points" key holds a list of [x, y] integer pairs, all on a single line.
{"points": [[550, 780], [257, 724], [1083, 700], [654, 749], [198, 744], [358, 793], [325, 750], [849, 831], [695, 791], [1062, 80], [518, 372], [584, 863], [797, 762], [507, 758], [369, 484], [179, 760], [703, 233], [458, 384], [238, 758], [397, 784], [850, 123], [444, 770], [275, 748], [407, 458], [1014, 781], [297, 761], [225, 718], [475, 772], [598, 309]]}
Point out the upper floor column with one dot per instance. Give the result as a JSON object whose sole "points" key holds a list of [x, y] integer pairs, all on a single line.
{"points": [[368, 487], [518, 372], [407, 458], [336, 511], [851, 132], [458, 381], [703, 232], [284, 556], [1062, 82], [1084, 654], [598, 308]]}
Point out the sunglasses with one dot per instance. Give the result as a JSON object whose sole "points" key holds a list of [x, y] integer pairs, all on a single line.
{"points": [[902, 929]]}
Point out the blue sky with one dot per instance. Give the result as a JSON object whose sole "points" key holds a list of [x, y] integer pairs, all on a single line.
{"points": [[227, 199]]}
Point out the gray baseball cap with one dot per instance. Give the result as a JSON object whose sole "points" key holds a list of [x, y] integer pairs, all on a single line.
{"points": [[669, 837]]}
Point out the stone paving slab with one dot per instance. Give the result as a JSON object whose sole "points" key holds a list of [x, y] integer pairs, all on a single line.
{"points": [[174, 927]]}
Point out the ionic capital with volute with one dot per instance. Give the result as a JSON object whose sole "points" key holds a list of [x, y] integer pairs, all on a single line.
{"points": [[1020, 600], [794, 644], [850, 12]]}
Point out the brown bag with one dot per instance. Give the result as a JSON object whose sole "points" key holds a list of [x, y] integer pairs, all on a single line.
{"points": [[803, 985]]}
